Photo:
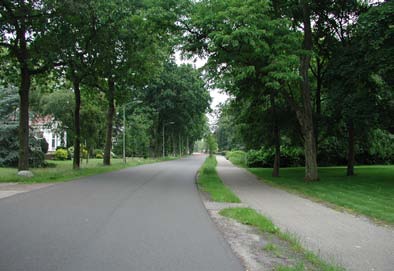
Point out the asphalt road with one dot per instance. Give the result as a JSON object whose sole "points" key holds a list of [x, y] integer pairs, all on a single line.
{"points": [[144, 218]]}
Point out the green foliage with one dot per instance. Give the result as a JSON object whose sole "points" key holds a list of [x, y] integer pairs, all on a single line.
{"points": [[382, 147], [209, 181], [44, 145], [237, 157], [98, 153], [61, 154], [9, 147], [290, 157], [212, 144], [179, 100]]}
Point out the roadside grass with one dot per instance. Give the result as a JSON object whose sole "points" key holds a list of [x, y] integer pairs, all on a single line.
{"points": [[370, 192], [250, 217], [59, 171], [307, 259], [209, 182]]}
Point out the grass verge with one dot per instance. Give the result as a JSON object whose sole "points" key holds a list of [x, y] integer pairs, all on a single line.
{"points": [[307, 260], [370, 192], [62, 170], [209, 181]]}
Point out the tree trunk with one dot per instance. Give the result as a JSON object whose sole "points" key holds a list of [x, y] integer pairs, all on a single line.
{"points": [[276, 134], [77, 125], [351, 153], [173, 145], [110, 118], [311, 169], [24, 91], [306, 116], [275, 171], [319, 80]]}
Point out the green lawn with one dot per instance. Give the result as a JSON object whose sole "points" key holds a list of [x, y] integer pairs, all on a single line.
{"points": [[64, 172], [209, 181], [370, 192]]}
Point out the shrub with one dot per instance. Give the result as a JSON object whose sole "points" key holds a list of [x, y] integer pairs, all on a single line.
{"points": [[84, 152], [61, 154], [237, 157], [44, 145], [9, 148], [290, 157], [260, 158], [98, 153]]}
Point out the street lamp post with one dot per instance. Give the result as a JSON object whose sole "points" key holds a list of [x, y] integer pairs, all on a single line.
{"points": [[124, 134], [164, 124]]}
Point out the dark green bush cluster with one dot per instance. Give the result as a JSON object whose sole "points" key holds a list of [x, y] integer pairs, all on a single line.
{"points": [[9, 147], [290, 157]]}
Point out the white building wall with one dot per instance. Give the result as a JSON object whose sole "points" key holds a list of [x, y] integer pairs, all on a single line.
{"points": [[53, 140]]}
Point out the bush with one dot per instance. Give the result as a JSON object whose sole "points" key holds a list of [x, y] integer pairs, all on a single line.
{"points": [[289, 157], [9, 148], [260, 158], [380, 150], [44, 145], [61, 154], [98, 153], [237, 157], [83, 152], [332, 152]]}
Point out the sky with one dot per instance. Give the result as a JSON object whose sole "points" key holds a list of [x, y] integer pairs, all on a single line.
{"points": [[218, 96]]}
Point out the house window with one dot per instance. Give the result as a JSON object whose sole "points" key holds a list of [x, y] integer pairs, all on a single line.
{"points": [[53, 142]]}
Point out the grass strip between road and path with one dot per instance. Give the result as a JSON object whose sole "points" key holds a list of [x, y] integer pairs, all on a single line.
{"points": [[209, 182], [307, 259], [60, 171]]}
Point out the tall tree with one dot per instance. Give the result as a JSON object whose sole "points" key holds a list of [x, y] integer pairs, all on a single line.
{"points": [[23, 30], [359, 82], [246, 40], [75, 27], [132, 44]]}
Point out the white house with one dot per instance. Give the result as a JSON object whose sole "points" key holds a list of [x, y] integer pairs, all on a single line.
{"points": [[46, 127]]}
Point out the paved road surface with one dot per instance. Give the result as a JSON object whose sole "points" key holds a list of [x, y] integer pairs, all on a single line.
{"points": [[352, 241], [143, 218]]}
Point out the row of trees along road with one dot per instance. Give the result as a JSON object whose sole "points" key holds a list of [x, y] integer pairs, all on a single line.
{"points": [[99, 55], [299, 70]]}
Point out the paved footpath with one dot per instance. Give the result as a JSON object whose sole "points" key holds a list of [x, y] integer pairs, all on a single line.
{"points": [[145, 218], [353, 242], [10, 189]]}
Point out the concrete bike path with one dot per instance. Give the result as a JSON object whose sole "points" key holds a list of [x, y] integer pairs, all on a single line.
{"points": [[351, 241]]}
